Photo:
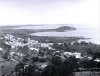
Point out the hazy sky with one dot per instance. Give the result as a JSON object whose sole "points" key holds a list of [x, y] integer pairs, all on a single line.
{"points": [[49, 12]]}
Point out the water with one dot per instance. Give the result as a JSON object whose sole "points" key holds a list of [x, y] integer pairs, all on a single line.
{"points": [[86, 31]]}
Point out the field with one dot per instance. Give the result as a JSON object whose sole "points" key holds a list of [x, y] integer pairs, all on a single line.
{"points": [[87, 73]]}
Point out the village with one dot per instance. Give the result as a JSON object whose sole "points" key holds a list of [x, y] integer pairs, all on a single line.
{"points": [[14, 50]]}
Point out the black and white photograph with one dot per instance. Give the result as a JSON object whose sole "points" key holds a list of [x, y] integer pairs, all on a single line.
{"points": [[49, 38]]}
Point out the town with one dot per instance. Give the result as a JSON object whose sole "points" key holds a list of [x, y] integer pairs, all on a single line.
{"points": [[29, 57]]}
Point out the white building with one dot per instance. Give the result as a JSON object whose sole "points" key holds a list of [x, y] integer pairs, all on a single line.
{"points": [[76, 54], [97, 60]]}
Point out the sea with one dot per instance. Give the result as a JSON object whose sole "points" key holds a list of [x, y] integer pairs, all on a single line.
{"points": [[83, 30]]}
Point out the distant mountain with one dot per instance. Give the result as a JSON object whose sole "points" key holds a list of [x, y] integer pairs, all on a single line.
{"points": [[15, 26], [29, 31], [65, 28]]}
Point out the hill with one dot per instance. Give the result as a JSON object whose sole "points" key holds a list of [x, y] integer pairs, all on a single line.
{"points": [[29, 31]]}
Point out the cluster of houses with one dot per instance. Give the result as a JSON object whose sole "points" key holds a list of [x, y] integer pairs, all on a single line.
{"points": [[14, 42], [17, 42], [34, 46]]}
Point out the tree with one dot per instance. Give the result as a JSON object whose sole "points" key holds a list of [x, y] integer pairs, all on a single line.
{"points": [[69, 65], [60, 68], [6, 55], [19, 69], [54, 68]]}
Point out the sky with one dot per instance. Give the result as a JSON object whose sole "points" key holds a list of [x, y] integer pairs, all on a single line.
{"points": [[15, 12]]}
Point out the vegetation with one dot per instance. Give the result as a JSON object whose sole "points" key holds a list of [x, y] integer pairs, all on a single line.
{"points": [[54, 61], [59, 66]]}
